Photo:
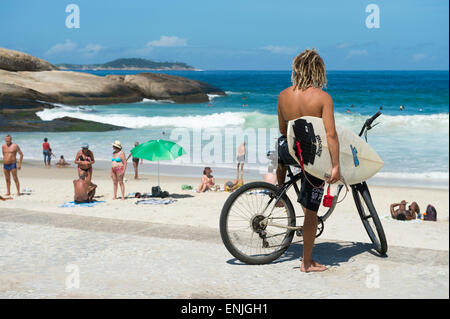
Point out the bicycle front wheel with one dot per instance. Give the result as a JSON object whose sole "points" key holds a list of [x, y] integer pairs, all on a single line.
{"points": [[369, 217], [253, 228]]}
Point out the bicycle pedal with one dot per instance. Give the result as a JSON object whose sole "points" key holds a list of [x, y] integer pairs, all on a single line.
{"points": [[299, 233]]}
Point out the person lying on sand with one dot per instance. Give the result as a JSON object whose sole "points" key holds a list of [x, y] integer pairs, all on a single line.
{"points": [[231, 186], [84, 189], [208, 180], [405, 214]]}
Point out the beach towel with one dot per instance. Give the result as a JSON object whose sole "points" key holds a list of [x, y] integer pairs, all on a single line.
{"points": [[73, 204], [155, 201], [388, 217]]}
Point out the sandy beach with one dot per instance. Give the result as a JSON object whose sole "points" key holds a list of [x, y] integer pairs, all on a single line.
{"points": [[127, 250], [52, 187]]}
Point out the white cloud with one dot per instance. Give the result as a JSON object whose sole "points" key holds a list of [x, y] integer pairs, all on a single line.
{"points": [[343, 45], [353, 53], [91, 49], [419, 57], [59, 48], [279, 49], [167, 41]]}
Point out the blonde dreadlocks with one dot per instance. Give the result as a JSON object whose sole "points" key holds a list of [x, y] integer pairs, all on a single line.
{"points": [[308, 70]]}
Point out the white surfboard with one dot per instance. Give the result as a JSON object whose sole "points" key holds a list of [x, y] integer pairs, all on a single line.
{"points": [[358, 161]]}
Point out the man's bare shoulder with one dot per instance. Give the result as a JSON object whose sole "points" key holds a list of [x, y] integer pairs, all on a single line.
{"points": [[286, 92], [324, 96]]}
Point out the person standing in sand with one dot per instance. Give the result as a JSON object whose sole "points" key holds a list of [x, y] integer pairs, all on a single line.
{"points": [[240, 161], [306, 98], [118, 168], [135, 161], [84, 159], [10, 165]]}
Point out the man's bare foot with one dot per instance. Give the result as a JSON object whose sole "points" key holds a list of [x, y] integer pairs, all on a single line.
{"points": [[313, 267]]}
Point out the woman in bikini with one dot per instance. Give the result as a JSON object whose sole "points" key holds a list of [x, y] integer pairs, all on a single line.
{"points": [[118, 167], [84, 159], [208, 180]]}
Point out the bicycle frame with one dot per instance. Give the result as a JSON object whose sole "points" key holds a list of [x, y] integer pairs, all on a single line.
{"points": [[293, 179]]}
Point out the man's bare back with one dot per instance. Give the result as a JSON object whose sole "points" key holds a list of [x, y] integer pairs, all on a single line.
{"points": [[295, 103]]}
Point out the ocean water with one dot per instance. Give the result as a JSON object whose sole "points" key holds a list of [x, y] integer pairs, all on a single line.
{"points": [[414, 143]]}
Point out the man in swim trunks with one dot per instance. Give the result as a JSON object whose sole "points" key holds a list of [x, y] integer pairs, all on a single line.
{"points": [[10, 165], [405, 214], [306, 98], [84, 190], [84, 159]]}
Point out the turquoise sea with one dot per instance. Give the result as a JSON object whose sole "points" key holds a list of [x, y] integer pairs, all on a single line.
{"points": [[414, 143]]}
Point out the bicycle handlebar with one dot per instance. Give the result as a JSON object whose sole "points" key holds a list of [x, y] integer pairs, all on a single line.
{"points": [[369, 122]]}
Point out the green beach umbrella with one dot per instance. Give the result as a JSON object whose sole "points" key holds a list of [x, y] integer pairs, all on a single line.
{"points": [[158, 150]]}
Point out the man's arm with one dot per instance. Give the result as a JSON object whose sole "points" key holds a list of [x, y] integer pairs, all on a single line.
{"points": [[281, 170], [20, 158], [281, 121], [332, 138], [393, 213]]}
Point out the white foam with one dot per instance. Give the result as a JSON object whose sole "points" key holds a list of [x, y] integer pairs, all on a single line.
{"points": [[213, 96], [216, 120]]}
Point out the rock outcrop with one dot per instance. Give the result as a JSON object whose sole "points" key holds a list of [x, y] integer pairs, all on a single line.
{"points": [[12, 60], [28, 83], [160, 86], [26, 120]]}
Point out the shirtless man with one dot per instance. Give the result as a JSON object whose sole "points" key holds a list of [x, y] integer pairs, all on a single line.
{"points": [[84, 190], [240, 160], [306, 98], [405, 214], [10, 165], [84, 159]]}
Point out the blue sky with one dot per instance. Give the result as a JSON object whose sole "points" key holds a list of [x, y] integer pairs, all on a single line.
{"points": [[233, 34]]}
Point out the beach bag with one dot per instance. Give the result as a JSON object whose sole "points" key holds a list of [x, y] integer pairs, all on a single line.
{"points": [[430, 214], [156, 191]]}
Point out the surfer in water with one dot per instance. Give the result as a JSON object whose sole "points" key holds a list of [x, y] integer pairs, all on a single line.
{"points": [[306, 98]]}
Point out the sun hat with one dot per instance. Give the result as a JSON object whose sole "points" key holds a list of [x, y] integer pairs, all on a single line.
{"points": [[117, 144], [85, 145]]}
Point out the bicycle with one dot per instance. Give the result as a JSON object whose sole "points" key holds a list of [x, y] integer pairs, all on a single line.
{"points": [[248, 225]]}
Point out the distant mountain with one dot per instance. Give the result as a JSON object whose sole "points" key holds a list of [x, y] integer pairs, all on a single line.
{"points": [[129, 64]]}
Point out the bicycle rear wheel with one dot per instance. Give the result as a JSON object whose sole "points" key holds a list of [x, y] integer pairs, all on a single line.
{"points": [[242, 223], [369, 217]]}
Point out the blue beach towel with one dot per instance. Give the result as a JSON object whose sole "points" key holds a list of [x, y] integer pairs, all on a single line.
{"points": [[73, 204]]}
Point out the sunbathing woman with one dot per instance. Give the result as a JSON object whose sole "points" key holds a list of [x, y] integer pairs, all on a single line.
{"points": [[118, 167], [207, 180]]}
